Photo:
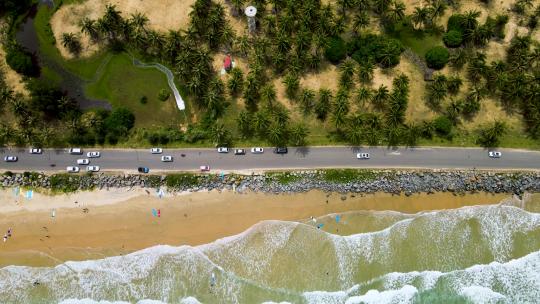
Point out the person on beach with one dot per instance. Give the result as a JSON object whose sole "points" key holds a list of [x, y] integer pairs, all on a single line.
{"points": [[5, 238], [9, 232]]}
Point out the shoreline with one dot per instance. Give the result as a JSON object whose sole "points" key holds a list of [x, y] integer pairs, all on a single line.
{"points": [[125, 225]]}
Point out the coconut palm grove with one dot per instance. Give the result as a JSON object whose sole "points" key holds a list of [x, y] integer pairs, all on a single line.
{"points": [[311, 72]]}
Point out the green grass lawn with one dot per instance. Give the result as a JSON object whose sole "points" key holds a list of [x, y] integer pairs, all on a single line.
{"points": [[418, 41], [123, 84]]}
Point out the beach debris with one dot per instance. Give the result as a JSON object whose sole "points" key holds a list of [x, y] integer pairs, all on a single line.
{"points": [[147, 192], [343, 197], [36, 283], [76, 202], [185, 214], [85, 210], [53, 213]]}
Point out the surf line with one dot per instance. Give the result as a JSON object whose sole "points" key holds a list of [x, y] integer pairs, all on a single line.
{"points": [[170, 79]]}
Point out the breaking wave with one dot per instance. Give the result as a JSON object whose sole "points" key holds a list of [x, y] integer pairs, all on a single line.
{"points": [[479, 254]]}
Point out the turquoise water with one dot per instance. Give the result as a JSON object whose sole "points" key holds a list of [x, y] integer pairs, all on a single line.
{"points": [[478, 254]]}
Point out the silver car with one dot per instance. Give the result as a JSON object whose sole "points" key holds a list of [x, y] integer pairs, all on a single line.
{"points": [[166, 158], [11, 159], [83, 161], [362, 155], [494, 154], [93, 154], [72, 169], [156, 150], [35, 151], [223, 150], [92, 169], [257, 150]]}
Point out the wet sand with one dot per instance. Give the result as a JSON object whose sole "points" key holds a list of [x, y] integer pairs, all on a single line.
{"points": [[107, 223]]}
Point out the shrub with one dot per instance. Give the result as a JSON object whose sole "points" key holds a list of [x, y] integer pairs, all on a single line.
{"points": [[373, 48], [163, 95], [143, 100], [455, 23], [443, 125], [453, 38], [20, 60], [336, 50], [437, 57], [120, 121], [181, 180], [65, 182]]}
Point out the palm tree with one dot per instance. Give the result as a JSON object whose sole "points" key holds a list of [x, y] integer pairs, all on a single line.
{"points": [[412, 134], [244, 123], [251, 92], [435, 94], [243, 45], [437, 8], [324, 104], [236, 9], [453, 84], [380, 97], [469, 21], [6, 96], [71, 42], [298, 134], [490, 135], [89, 28], [365, 72], [347, 69], [156, 41], [420, 16], [236, 82], [355, 133], [277, 134], [401, 84], [18, 107], [139, 21], [220, 135], [261, 122], [381, 6], [395, 12], [268, 95], [363, 94], [360, 22], [340, 109], [307, 101], [292, 84]]}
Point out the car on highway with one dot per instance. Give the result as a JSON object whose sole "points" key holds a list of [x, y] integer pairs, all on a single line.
{"points": [[494, 154], [257, 150], [204, 168], [92, 169], [223, 150], [11, 159], [75, 151], [281, 150], [93, 154], [156, 150], [72, 169], [239, 151], [143, 170], [83, 161], [166, 158], [362, 155], [35, 151]]}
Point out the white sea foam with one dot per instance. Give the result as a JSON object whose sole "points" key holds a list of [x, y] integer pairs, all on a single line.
{"points": [[480, 294], [403, 295], [329, 297]]}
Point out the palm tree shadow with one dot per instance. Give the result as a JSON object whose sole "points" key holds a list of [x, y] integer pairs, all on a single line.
{"points": [[303, 151]]}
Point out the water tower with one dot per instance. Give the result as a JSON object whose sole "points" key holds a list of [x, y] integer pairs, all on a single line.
{"points": [[250, 12]]}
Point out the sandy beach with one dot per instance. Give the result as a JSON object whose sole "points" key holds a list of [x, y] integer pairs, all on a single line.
{"points": [[89, 225]]}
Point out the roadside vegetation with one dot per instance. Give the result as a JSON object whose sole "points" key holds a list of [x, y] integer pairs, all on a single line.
{"points": [[266, 98]]}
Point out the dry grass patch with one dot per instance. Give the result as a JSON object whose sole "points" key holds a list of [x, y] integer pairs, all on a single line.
{"points": [[162, 14]]}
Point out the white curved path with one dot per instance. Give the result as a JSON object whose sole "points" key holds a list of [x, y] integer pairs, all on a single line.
{"points": [[170, 80]]}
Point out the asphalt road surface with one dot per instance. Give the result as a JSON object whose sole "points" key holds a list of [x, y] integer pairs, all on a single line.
{"points": [[297, 158]]}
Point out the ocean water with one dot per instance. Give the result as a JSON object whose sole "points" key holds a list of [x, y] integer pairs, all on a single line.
{"points": [[477, 254]]}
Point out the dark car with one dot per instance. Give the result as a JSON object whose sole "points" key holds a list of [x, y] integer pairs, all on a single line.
{"points": [[143, 170], [280, 150], [239, 151]]}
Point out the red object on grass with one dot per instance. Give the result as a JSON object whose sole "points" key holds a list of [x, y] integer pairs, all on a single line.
{"points": [[227, 62]]}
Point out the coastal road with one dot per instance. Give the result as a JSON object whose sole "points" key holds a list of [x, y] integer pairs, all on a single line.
{"points": [[297, 158]]}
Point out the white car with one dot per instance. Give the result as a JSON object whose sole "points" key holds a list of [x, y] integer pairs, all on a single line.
{"points": [[76, 151], [494, 154], [362, 155], [156, 150], [94, 154], [257, 150], [83, 161], [10, 159], [204, 168], [92, 169], [166, 158], [35, 151], [223, 150], [72, 169]]}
